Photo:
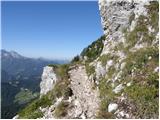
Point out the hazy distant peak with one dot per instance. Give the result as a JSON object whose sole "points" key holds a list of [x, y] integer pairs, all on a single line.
{"points": [[12, 54], [15, 54]]}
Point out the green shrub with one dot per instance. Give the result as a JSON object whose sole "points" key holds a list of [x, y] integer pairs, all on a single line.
{"points": [[75, 59], [93, 50]]}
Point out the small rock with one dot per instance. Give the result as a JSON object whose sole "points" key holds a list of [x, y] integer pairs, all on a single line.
{"points": [[112, 107], [123, 114], [123, 65], [110, 62], [70, 99], [129, 84], [83, 116], [118, 88], [149, 57], [156, 69], [16, 117]]}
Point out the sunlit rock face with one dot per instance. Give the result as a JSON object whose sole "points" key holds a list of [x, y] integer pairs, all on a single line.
{"points": [[116, 16], [131, 29], [48, 80]]}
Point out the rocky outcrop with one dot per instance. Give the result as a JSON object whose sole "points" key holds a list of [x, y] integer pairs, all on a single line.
{"points": [[117, 16], [125, 24], [48, 80]]}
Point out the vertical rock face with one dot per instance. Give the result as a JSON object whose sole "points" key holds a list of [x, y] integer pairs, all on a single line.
{"points": [[48, 80], [117, 16], [131, 34]]}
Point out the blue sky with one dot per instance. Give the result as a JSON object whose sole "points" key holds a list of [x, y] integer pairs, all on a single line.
{"points": [[57, 30]]}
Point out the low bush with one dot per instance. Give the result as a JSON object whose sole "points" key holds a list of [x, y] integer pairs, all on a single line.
{"points": [[93, 50]]}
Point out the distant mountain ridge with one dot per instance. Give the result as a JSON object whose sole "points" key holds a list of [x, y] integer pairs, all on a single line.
{"points": [[20, 76], [24, 65]]}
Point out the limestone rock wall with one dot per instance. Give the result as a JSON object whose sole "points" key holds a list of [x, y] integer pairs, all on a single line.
{"points": [[49, 78]]}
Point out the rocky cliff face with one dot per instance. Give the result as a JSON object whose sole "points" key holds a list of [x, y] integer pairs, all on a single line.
{"points": [[48, 80], [114, 77]]}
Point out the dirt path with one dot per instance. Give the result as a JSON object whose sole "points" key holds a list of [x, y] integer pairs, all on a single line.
{"points": [[85, 94]]}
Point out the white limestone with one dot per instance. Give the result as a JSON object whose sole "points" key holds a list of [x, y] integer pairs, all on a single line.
{"points": [[100, 70], [112, 107], [48, 80], [118, 88], [129, 84], [156, 69]]}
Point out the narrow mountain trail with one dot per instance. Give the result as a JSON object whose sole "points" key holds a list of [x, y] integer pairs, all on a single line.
{"points": [[83, 90]]}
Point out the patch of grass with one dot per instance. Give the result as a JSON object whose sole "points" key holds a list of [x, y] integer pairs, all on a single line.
{"points": [[145, 99], [139, 58], [62, 71], [111, 71], [106, 96], [25, 96], [61, 109], [32, 110], [119, 46], [89, 69], [153, 11], [139, 30], [105, 115], [104, 58], [61, 88], [53, 65], [144, 90]]}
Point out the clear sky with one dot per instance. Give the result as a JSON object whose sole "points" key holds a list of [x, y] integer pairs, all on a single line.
{"points": [[50, 29]]}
